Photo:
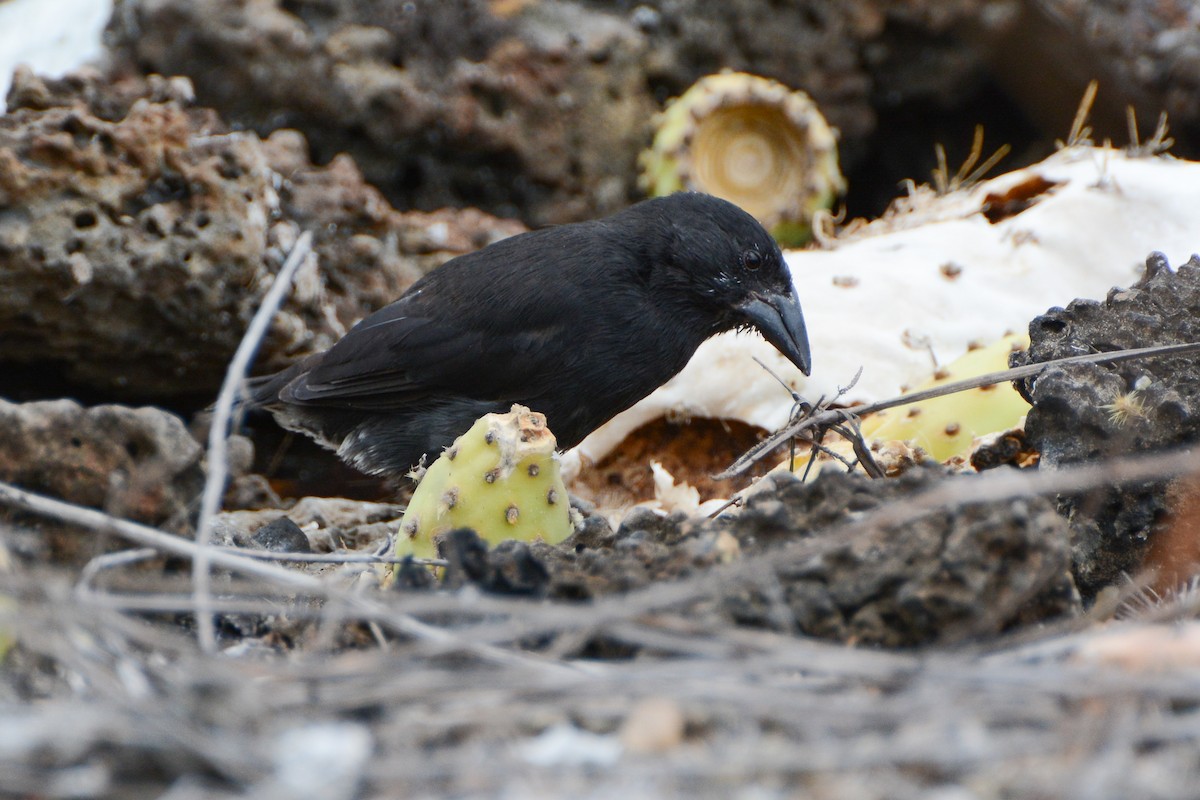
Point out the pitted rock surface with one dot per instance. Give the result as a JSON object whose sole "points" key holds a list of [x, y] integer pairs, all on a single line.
{"points": [[1083, 413], [135, 463], [833, 565], [138, 236]]}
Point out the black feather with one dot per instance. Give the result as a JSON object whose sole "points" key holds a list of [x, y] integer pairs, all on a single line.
{"points": [[578, 322]]}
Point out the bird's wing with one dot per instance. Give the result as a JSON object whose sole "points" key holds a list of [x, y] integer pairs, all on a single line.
{"points": [[419, 347]]}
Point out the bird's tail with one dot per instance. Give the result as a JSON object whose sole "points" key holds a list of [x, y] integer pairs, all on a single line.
{"points": [[263, 391]]}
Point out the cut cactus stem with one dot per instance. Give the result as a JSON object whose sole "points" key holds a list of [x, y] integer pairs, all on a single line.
{"points": [[753, 142]]}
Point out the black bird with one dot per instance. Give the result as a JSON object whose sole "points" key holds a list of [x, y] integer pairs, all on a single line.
{"points": [[578, 322]]}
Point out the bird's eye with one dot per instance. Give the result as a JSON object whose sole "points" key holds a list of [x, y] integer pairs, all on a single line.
{"points": [[752, 259]]}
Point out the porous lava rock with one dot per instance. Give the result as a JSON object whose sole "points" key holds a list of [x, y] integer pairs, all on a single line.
{"points": [[1084, 413], [536, 108], [135, 463], [829, 559], [138, 236], [967, 571]]}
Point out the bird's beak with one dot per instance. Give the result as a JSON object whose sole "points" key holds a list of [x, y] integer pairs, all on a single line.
{"points": [[778, 317]]}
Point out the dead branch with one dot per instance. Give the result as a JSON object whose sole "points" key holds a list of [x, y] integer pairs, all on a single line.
{"points": [[835, 416], [403, 624], [218, 433], [333, 558]]}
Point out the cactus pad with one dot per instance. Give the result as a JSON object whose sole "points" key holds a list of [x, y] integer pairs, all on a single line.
{"points": [[501, 478], [947, 426]]}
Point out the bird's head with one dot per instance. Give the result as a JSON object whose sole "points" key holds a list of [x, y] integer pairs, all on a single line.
{"points": [[723, 260]]}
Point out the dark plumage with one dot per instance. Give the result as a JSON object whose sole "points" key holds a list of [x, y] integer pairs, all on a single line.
{"points": [[578, 322]]}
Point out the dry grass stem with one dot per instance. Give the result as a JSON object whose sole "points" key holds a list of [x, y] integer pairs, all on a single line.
{"points": [[218, 433]]}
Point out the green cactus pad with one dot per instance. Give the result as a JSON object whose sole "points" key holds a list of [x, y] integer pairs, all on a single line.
{"points": [[946, 427], [501, 478], [753, 142]]}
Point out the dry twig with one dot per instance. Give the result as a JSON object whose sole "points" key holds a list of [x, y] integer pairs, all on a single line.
{"points": [[218, 433], [364, 608], [835, 416]]}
